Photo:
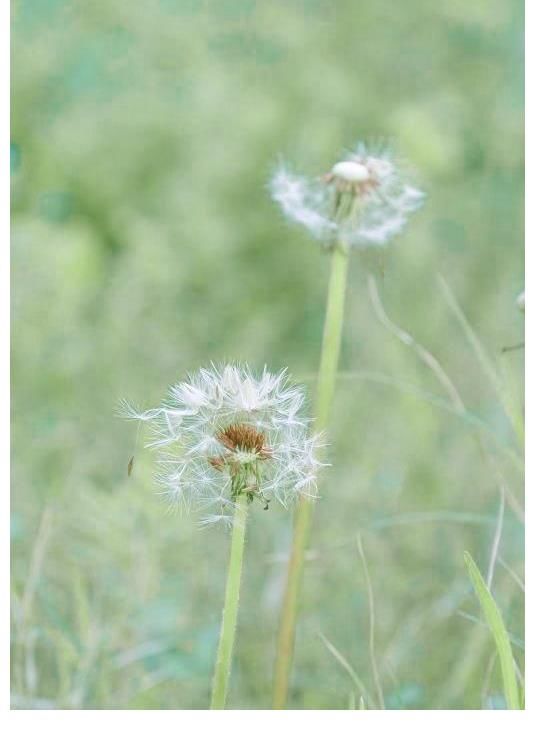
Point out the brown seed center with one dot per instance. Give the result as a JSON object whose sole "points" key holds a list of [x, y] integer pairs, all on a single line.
{"points": [[244, 437]]}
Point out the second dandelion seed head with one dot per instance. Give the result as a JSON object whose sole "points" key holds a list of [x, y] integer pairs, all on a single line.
{"points": [[364, 200]]}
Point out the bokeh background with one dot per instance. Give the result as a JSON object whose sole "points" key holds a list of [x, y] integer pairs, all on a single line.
{"points": [[144, 245]]}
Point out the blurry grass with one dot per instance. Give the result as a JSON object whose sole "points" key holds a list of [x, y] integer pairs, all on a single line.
{"points": [[486, 364], [144, 245]]}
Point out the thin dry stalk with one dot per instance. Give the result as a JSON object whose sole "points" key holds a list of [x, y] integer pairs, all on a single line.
{"points": [[371, 608], [407, 339]]}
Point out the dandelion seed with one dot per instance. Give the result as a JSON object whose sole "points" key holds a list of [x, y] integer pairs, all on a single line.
{"points": [[363, 201], [226, 432]]}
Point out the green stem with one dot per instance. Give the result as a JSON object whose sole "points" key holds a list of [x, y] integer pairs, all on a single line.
{"points": [[330, 352], [230, 609]]}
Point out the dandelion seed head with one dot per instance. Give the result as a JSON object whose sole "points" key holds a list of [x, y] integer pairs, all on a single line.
{"points": [[227, 431], [521, 301], [365, 200]]}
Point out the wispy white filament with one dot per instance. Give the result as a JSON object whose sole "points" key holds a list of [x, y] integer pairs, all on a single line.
{"points": [[186, 428]]}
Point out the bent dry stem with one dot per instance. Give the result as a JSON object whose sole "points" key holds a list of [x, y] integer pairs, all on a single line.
{"points": [[330, 352], [230, 609]]}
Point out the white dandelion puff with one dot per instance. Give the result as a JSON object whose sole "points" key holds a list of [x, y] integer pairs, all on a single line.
{"points": [[521, 301], [363, 201], [225, 432]]}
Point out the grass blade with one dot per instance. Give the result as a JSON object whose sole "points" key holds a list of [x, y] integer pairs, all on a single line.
{"points": [[340, 658], [485, 361], [497, 626]]}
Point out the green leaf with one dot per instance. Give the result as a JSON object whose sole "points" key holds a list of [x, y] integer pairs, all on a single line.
{"points": [[501, 637]]}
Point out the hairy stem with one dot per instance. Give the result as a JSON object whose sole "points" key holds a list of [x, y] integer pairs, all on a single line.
{"points": [[230, 609], [330, 352]]}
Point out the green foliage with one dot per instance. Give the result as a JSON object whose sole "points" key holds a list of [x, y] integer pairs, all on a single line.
{"points": [[144, 245]]}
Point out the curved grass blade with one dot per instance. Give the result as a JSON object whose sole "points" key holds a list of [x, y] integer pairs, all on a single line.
{"points": [[497, 626], [486, 362], [340, 658]]}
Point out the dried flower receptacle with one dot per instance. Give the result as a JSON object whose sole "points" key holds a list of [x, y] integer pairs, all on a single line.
{"points": [[246, 448]]}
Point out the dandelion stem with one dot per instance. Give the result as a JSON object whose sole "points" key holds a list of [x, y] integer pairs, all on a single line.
{"points": [[332, 336], [330, 352], [230, 609]]}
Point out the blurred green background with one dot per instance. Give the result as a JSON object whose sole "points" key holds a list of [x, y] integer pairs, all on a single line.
{"points": [[144, 244]]}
